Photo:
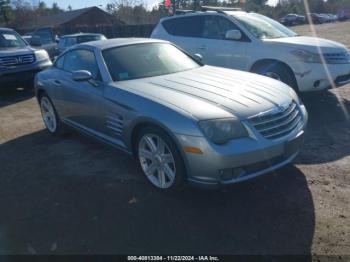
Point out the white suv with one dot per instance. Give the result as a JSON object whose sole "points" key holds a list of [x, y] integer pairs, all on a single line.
{"points": [[256, 43]]}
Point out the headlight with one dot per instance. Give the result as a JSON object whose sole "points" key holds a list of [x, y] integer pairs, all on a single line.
{"points": [[220, 131], [306, 56], [340, 57], [41, 55]]}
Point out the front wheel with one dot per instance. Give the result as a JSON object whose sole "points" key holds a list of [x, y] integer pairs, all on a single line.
{"points": [[50, 117], [160, 159], [277, 71]]}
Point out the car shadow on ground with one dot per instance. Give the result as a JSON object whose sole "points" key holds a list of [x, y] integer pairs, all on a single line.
{"points": [[75, 196], [328, 131], [15, 95]]}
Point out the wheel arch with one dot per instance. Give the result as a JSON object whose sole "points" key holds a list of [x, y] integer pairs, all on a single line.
{"points": [[148, 122], [40, 92], [145, 122], [266, 61]]}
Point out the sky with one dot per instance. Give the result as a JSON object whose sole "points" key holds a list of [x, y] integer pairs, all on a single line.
{"points": [[76, 4]]}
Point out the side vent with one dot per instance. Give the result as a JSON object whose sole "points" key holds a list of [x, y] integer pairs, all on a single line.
{"points": [[114, 123]]}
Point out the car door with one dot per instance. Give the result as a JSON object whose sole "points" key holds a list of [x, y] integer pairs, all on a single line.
{"points": [[184, 31], [81, 103], [216, 50]]}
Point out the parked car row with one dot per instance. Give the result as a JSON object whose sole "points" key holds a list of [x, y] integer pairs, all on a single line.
{"points": [[22, 57], [295, 19], [46, 38]]}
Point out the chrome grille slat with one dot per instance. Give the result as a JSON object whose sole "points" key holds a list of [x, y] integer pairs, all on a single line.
{"points": [[274, 124], [276, 117], [114, 123], [293, 125], [17, 60], [289, 119]]}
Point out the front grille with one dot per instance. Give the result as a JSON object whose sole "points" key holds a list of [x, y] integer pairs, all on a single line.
{"points": [[337, 58], [278, 122], [17, 60]]}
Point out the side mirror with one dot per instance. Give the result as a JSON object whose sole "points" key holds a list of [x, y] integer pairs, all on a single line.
{"points": [[81, 76], [233, 35], [198, 57], [35, 41]]}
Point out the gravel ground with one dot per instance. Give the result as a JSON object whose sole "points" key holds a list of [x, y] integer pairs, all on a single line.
{"points": [[72, 195]]}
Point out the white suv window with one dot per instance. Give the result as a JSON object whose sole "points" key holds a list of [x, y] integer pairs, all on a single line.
{"points": [[215, 27], [190, 26]]}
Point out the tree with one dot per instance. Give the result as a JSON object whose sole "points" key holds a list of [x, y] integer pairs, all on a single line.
{"points": [[70, 8], [5, 11], [55, 8]]}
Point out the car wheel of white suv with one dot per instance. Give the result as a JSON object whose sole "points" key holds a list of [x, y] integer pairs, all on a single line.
{"points": [[277, 71]]}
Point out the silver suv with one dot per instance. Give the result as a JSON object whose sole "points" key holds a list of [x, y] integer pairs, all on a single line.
{"points": [[18, 61]]}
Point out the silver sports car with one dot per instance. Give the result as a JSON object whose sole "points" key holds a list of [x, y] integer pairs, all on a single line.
{"points": [[183, 121]]}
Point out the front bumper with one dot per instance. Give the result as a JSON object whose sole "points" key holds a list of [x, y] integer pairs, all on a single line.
{"points": [[315, 77], [240, 159], [10, 77]]}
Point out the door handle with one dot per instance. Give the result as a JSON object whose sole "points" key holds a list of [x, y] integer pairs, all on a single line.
{"points": [[202, 47]]}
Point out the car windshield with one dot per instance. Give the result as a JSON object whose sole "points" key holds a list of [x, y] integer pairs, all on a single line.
{"points": [[10, 40], [89, 38], [146, 60], [263, 27]]}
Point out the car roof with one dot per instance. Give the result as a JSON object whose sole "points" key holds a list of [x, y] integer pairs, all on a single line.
{"points": [[117, 42], [209, 12], [79, 34]]}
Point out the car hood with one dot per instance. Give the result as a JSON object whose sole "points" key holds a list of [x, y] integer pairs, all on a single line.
{"points": [[211, 92], [16, 51], [306, 42]]}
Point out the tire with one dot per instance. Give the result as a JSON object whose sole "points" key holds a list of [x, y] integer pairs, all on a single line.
{"points": [[277, 71], [50, 117], [160, 160]]}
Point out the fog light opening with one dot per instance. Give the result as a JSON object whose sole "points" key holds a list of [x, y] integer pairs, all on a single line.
{"points": [[231, 173], [317, 83]]}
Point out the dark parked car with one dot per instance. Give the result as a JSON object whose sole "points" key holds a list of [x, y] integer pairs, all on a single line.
{"points": [[342, 17], [45, 38], [314, 18], [18, 61], [293, 19], [70, 40]]}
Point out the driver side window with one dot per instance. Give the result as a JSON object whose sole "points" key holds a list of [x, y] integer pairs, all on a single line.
{"points": [[81, 60], [215, 27]]}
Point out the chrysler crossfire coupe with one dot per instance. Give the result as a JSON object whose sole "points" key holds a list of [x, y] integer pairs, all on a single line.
{"points": [[183, 121]]}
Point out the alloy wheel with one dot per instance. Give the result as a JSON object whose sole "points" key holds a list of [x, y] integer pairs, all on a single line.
{"points": [[157, 161], [48, 114]]}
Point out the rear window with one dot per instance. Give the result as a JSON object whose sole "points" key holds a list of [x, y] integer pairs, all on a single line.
{"points": [[89, 38], [190, 26]]}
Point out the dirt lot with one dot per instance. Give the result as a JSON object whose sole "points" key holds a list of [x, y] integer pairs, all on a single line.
{"points": [[72, 195]]}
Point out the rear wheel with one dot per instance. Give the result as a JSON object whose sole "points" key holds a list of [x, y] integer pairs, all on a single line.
{"points": [[277, 71], [160, 159]]}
